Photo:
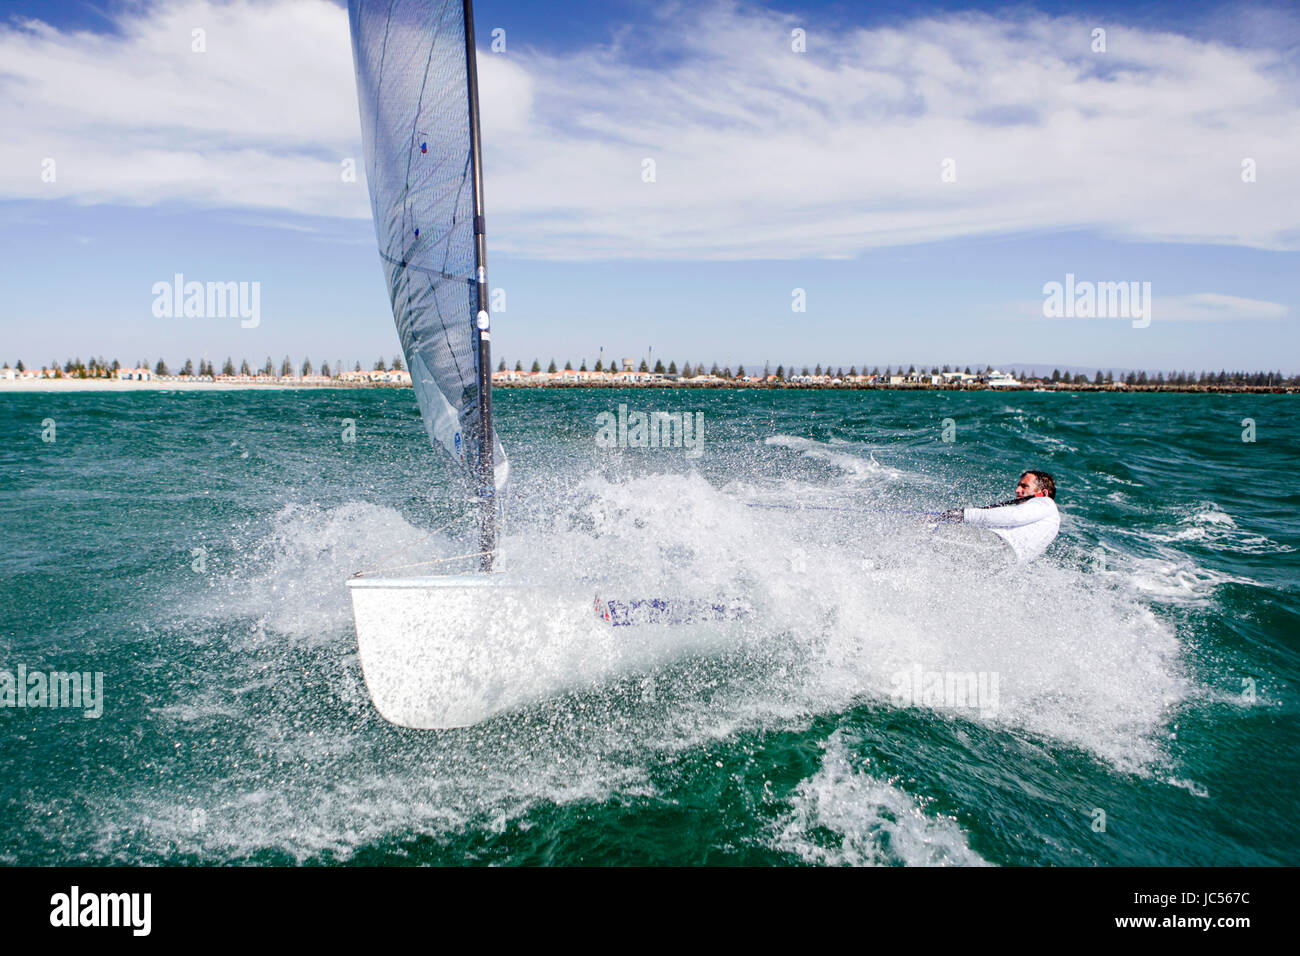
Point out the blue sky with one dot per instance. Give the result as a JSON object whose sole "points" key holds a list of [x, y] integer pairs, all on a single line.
{"points": [[775, 170]]}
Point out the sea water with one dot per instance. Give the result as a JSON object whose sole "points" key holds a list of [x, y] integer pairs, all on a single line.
{"points": [[1130, 698]]}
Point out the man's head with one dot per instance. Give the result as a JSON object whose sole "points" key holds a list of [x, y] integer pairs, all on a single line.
{"points": [[1036, 484]]}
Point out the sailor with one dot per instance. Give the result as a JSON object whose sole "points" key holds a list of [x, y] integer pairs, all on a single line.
{"points": [[1028, 522]]}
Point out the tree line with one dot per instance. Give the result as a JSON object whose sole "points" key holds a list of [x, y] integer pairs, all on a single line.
{"points": [[101, 368], [784, 373]]}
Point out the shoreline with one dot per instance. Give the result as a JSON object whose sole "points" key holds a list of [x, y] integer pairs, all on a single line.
{"points": [[111, 385]]}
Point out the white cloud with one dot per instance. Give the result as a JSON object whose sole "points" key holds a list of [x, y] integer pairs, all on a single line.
{"points": [[262, 119], [760, 152]]}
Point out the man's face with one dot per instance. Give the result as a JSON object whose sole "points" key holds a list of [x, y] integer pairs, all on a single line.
{"points": [[1028, 487]]}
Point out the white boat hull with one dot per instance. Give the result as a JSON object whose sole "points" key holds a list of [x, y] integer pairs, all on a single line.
{"points": [[452, 651]]}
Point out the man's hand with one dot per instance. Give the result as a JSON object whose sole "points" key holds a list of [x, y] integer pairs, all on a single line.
{"points": [[951, 516]]}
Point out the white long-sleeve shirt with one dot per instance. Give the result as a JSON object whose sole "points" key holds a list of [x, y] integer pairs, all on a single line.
{"points": [[1029, 526]]}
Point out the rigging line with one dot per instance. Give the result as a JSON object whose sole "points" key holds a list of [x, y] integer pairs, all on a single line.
{"points": [[880, 511], [408, 547], [420, 564]]}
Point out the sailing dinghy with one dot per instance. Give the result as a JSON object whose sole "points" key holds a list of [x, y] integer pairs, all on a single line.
{"points": [[454, 649]]}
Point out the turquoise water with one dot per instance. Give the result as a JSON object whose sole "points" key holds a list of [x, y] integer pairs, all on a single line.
{"points": [[193, 548]]}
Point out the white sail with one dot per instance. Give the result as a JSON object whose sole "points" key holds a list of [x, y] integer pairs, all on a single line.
{"points": [[414, 74]]}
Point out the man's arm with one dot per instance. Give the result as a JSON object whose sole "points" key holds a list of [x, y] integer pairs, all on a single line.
{"points": [[1023, 512]]}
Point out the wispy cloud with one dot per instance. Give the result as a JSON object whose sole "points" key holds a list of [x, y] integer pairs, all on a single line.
{"points": [[1213, 307], [1193, 307], [759, 151]]}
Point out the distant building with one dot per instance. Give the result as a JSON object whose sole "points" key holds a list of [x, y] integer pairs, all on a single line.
{"points": [[391, 377]]}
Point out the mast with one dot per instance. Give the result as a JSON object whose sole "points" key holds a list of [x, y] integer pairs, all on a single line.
{"points": [[485, 472]]}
